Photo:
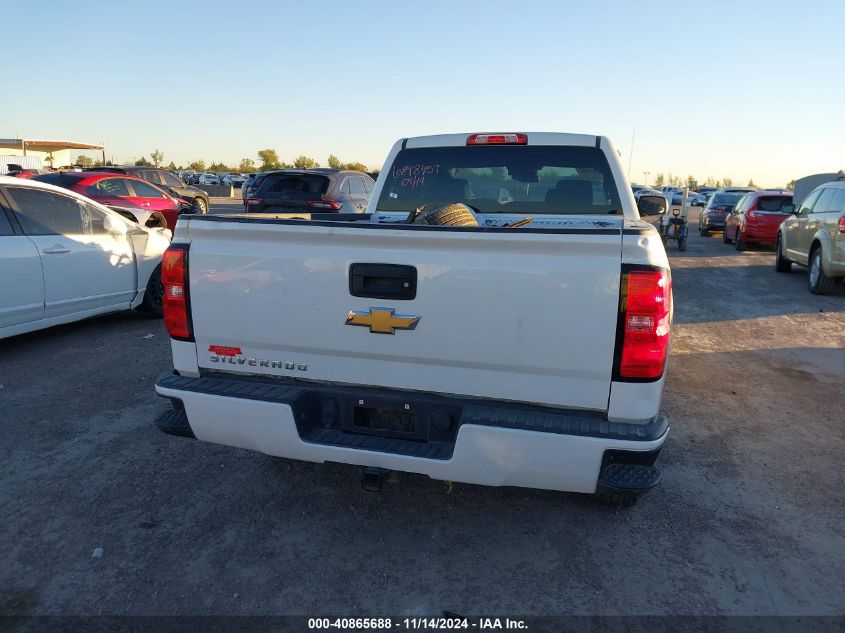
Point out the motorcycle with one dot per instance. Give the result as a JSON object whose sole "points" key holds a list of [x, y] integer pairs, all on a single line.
{"points": [[675, 228]]}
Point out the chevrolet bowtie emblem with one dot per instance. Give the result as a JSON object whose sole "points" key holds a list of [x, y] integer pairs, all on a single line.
{"points": [[382, 320]]}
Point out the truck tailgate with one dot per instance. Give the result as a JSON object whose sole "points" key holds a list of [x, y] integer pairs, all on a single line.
{"points": [[499, 313]]}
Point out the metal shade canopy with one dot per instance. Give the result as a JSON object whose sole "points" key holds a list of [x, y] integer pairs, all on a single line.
{"points": [[46, 146]]}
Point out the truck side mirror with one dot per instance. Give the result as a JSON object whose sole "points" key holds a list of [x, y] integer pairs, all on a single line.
{"points": [[652, 205]]}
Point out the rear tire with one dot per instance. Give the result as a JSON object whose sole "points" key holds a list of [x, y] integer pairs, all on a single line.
{"points": [[703, 230], [200, 205], [782, 265], [152, 303], [682, 243], [725, 238], [740, 245], [819, 283]]}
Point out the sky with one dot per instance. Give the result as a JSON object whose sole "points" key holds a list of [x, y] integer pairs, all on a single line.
{"points": [[723, 89]]}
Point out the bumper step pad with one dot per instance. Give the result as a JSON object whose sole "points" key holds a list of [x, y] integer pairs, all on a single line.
{"points": [[174, 422], [633, 479]]}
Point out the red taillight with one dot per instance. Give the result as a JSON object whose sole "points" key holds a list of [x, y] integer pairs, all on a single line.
{"points": [[174, 279], [648, 315], [842, 225], [331, 205], [250, 201], [497, 139], [749, 212]]}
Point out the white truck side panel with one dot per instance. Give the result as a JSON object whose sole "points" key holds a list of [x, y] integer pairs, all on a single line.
{"points": [[185, 358], [638, 400]]}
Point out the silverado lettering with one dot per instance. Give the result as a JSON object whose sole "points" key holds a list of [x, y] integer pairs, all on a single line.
{"points": [[257, 362]]}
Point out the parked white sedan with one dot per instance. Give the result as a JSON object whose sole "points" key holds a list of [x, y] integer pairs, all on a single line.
{"points": [[234, 180], [64, 257], [209, 179]]}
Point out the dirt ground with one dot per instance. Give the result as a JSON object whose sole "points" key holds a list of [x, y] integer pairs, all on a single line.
{"points": [[102, 514]]}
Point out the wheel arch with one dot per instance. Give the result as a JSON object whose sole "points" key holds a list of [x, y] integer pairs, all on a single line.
{"points": [[820, 240], [156, 220], [204, 199], [149, 303]]}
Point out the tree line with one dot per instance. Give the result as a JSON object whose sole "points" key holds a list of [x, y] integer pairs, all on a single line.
{"points": [[670, 180], [268, 160]]}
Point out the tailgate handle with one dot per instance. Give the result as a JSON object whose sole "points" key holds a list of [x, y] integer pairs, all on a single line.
{"points": [[383, 281]]}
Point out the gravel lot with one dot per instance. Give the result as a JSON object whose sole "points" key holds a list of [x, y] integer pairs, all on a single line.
{"points": [[749, 519]]}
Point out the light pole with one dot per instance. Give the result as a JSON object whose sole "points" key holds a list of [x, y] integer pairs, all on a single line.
{"points": [[646, 174]]}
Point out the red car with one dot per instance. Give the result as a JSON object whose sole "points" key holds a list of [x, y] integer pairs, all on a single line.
{"points": [[117, 190], [17, 171], [756, 218]]}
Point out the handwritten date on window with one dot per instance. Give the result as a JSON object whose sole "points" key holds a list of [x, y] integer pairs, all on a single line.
{"points": [[414, 175]]}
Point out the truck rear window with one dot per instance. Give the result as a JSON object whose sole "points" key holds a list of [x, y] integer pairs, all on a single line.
{"points": [[536, 179]]}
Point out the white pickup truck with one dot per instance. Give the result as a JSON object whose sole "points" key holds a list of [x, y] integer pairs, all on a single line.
{"points": [[499, 316]]}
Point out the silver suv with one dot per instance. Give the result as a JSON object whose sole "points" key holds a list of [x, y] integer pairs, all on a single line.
{"points": [[317, 190], [815, 236]]}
